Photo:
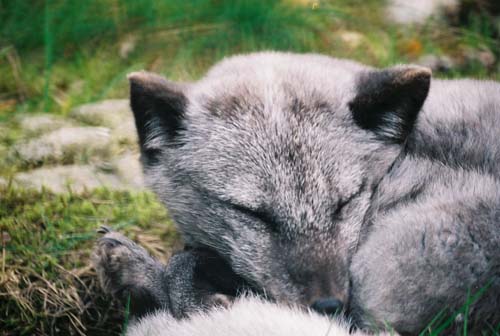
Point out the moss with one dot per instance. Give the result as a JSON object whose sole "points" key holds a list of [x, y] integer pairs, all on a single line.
{"points": [[46, 283]]}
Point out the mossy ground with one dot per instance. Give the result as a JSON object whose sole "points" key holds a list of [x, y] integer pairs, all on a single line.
{"points": [[55, 55], [46, 284]]}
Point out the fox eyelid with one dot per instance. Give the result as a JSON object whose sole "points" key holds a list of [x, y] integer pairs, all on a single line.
{"points": [[340, 206], [262, 215]]}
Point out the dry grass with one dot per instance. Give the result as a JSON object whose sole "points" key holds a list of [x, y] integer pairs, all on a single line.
{"points": [[73, 303], [47, 285]]}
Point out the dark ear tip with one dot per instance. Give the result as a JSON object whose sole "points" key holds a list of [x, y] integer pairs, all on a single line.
{"points": [[388, 100], [137, 76], [412, 73], [145, 78]]}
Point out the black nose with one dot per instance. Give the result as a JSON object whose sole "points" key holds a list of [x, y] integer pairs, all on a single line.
{"points": [[329, 306]]}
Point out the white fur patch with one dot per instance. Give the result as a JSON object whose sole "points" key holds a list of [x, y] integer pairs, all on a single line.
{"points": [[247, 316]]}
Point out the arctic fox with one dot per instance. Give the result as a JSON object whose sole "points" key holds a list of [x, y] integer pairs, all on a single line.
{"points": [[317, 182]]}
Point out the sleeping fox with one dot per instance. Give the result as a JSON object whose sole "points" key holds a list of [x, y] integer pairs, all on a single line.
{"points": [[316, 184]]}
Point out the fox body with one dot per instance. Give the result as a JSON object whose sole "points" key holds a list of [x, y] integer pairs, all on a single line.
{"points": [[313, 177]]}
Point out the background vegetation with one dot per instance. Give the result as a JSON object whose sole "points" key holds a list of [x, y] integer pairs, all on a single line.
{"points": [[56, 54]]}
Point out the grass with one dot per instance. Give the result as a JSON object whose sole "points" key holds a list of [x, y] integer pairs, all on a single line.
{"points": [[56, 54], [77, 58], [445, 319], [169, 34], [46, 283]]}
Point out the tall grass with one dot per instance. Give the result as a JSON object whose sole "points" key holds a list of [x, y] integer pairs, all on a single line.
{"points": [[48, 42], [81, 40], [70, 50], [270, 23]]}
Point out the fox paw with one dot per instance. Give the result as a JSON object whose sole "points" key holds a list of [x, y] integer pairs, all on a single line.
{"points": [[193, 280], [127, 271]]}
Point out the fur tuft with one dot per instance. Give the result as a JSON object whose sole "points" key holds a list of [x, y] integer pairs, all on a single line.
{"points": [[248, 316]]}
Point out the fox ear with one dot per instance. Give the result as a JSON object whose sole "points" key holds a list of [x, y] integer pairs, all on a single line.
{"points": [[388, 101], [158, 107]]}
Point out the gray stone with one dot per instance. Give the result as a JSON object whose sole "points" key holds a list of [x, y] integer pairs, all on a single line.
{"points": [[110, 113], [418, 11], [41, 123], [129, 169], [126, 134], [124, 173], [66, 144], [61, 179], [351, 39], [114, 114]]}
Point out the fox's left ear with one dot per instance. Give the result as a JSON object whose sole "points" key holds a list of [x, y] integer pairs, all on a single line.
{"points": [[387, 101], [158, 105]]}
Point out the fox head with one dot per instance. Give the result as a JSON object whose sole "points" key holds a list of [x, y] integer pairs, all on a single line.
{"points": [[271, 160]]}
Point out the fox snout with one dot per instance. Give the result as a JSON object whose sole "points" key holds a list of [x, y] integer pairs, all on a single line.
{"points": [[328, 306]]}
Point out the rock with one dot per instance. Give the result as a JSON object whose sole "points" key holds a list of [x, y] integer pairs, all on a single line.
{"points": [[351, 39], [412, 11], [440, 63], [129, 169], [41, 123], [66, 144], [111, 113], [126, 134], [60, 179], [125, 174], [114, 114]]}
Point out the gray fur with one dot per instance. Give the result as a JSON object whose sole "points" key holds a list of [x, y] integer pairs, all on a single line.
{"points": [[434, 230], [307, 175], [193, 280]]}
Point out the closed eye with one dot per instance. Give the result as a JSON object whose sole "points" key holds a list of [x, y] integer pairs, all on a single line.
{"points": [[262, 215], [340, 206]]}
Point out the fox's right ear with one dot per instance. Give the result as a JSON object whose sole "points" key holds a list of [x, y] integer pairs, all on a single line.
{"points": [[159, 108], [388, 101]]}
